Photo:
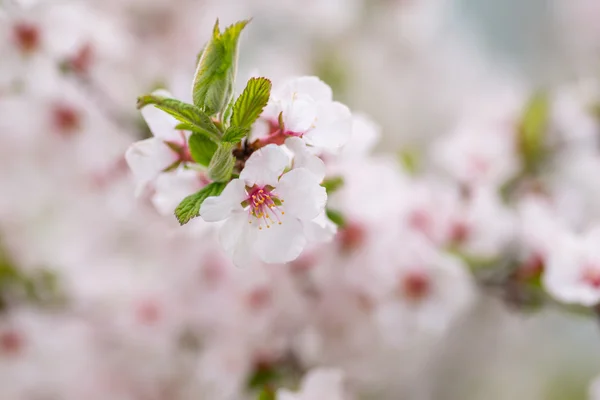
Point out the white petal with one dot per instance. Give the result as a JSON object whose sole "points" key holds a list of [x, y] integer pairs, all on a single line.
{"points": [[160, 123], [265, 166], [237, 238], [147, 159], [218, 208], [299, 114], [170, 188], [320, 229], [280, 243], [272, 110], [365, 134], [303, 158], [333, 127], [302, 194], [309, 86]]}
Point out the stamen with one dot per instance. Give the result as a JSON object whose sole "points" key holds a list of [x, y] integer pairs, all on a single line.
{"points": [[264, 206]]}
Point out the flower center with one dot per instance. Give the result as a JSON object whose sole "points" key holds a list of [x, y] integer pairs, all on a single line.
{"points": [[415, 286], [591, 276], [264, 206], [27, 37]]}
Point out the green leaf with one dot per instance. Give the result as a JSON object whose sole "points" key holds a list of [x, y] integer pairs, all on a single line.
{"points": [[190, 206], [263, 376], [333, 184], [235, 134], [251, 102], [215, 74], [410, 160], [532, 132], [267, 394], [192, 117], [202, 149], [336, 217], [222, 163]]}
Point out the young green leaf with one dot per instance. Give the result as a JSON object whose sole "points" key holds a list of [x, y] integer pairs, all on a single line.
{"points": [[533, 129], [192, 117], [235, 134], [201, 149], [251, 102], [222, 163], [190, 206], [336, 217], [266, 394], [215, 74], [333, 184]]}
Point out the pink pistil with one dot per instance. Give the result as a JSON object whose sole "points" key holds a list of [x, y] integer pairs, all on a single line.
{"points": [[591, 276]]}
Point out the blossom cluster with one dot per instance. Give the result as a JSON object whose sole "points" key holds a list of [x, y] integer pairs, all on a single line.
{"points": [[254, 238]]}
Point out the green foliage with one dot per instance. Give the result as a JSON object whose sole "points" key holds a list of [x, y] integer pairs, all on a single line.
{"points": [[532, 131], [251, 102], [192, 117], [215, 74], [190, 206], [333, 184], [202, 149], [263, 376], [222, 163], [267, 394], [40, 287], [336, 217], [234, 134]]}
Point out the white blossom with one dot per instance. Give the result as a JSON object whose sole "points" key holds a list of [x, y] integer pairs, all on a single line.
{"points": [[265, 209], [306, 109], [168, 146]]}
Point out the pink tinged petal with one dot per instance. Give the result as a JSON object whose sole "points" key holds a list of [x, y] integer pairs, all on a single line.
{"points": [[303, 158], [160, 123], [237, 238], [147, 159], [302, 194], [310, 86], [299, 114], [265, 166], [332, 128], [218, 208], [280, 243], [171, 188]]}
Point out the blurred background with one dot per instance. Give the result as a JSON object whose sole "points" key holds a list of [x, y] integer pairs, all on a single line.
{"points": [[103, 297]]}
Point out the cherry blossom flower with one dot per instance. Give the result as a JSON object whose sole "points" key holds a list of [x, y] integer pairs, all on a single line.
{"points": [[572, 272], [265, 210], [304, 107], [321, 383], [166, 149], [172, 187]]}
